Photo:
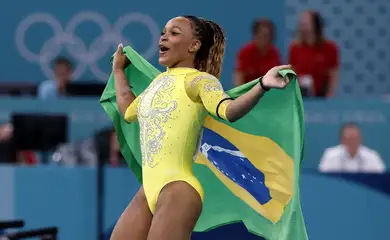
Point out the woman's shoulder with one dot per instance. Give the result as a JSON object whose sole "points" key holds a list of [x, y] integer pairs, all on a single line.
{"points": [[295, 44], [330, 44], [160, 75], [247, 48], [195, 77], [205, 75]]}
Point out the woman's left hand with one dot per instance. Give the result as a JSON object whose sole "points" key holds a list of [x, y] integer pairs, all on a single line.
{"points": [[120, 59], [272, 79]]}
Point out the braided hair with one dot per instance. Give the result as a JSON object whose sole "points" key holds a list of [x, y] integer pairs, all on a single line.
{"points": [[209, 57]]}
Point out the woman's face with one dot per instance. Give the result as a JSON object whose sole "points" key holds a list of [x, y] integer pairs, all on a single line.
{"points": [[264, 36], [306, 26], [177, 42]]}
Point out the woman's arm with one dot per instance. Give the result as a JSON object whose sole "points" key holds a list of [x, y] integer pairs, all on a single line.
{"points": [[210, 93], [124, 95], [333, 82], [208, 90], [334, 70], [241, 67], [244, 104]]}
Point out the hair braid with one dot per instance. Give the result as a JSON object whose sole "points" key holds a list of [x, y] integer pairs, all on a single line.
{"points": [[213, 63], [209, 57]]}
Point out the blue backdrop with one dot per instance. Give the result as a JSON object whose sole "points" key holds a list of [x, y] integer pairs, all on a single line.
{"points": [[89, 31], [335, 207]]}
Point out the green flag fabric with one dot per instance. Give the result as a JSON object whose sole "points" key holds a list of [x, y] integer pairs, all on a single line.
{"points": [[249, 169]]}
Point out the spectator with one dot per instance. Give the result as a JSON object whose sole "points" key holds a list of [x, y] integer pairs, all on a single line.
{"points": [[351, 155], [314, 58], [6, 150], [259, 55], [56, 88]]}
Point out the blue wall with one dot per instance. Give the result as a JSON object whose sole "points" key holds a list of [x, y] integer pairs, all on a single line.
{"points": [[324, 118], [334, 208], [363, 41], [88, 31], [27, 31]]}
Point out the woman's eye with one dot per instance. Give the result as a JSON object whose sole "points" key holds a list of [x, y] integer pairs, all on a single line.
{"points": [[175, 33], [162, 33]]}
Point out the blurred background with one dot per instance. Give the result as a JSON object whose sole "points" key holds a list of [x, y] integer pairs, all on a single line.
{"points": [[53, 131]]}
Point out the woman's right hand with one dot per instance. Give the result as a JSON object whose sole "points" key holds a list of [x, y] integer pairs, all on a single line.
{"points": [[120, 61]]}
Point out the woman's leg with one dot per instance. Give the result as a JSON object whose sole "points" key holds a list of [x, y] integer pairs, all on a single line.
{"points": [[135, 221], [178, 209]]}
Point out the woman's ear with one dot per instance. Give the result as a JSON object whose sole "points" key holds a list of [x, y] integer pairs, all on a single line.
{"points": [[195, 46]]}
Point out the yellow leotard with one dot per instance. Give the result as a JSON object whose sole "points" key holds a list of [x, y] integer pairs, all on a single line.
{"points": [[171, 112]]}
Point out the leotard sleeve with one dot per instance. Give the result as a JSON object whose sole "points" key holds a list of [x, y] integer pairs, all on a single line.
{"points": [[204, 88], [131, 111]]}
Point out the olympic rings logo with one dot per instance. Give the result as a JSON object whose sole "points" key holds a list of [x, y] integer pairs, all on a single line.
{"points": [[111, 36]]}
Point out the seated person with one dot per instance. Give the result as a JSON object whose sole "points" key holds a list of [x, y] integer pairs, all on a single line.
{"points": [[351, 155], [52, 89]]}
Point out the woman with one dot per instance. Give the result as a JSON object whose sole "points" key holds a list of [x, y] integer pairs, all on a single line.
{"points": [[314, 58], [258, 56], [170, 113]]}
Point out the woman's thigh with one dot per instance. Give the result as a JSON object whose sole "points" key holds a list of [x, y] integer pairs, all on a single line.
{"points": [[135, 221], [178, 209]]}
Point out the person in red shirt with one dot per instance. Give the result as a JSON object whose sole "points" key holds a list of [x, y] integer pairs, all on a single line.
{"points": [[258, 56], [314, 58]]}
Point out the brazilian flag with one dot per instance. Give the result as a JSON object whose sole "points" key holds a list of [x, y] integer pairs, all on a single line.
{"points": [[249, 169]]}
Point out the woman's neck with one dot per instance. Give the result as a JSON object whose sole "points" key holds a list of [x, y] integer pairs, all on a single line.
{"points": [[262, 48], [311, 40], [184, 64]]}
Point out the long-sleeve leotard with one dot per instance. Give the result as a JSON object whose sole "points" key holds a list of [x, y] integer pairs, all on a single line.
{"points": [[171, 112]]}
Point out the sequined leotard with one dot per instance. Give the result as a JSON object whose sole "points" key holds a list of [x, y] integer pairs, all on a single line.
{"points": [[171, 112]]}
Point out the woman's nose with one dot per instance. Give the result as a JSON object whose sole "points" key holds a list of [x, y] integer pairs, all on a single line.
{"points": [[163, 38]]}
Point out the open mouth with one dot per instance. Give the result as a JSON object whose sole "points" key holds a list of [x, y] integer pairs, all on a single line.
{"points": [[163, 49]]}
